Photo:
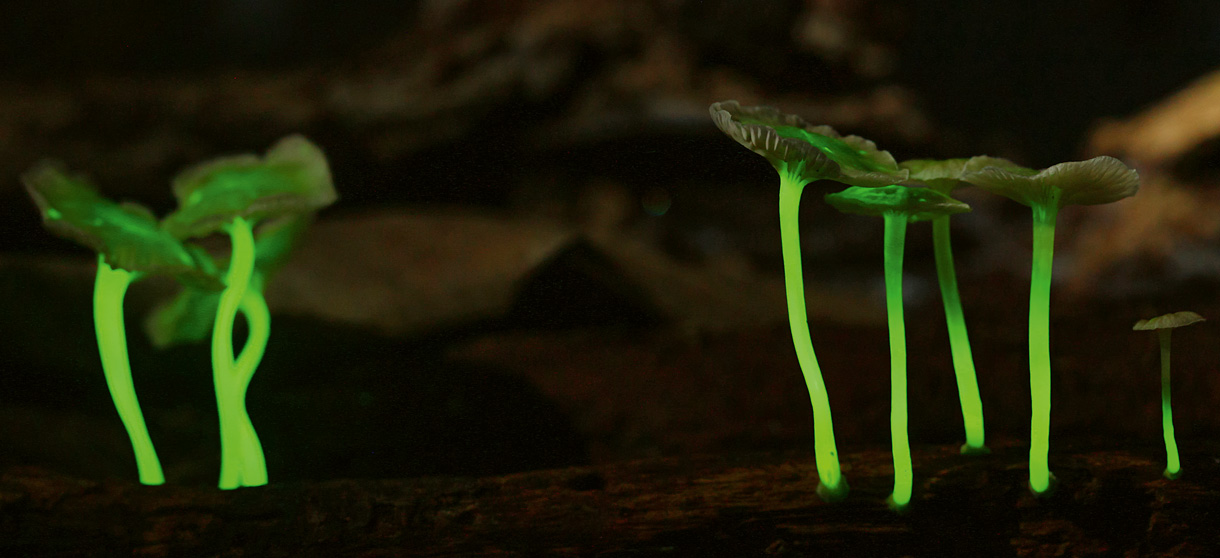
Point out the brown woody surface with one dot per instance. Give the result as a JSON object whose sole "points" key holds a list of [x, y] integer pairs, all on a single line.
{"points": [[1106, 504]]}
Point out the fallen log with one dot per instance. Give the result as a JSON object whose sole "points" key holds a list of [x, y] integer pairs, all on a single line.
{"points": [[1107, 503]]}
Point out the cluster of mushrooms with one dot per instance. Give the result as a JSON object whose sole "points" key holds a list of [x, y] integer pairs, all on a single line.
{"points": [[920, 190]]}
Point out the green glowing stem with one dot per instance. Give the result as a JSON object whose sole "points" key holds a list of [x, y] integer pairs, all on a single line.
{"points": [[108, 292], [900, 446], [1173, 468], [258, 321], [240, 456], [1040, 343], [959, 341], [833, 486]]}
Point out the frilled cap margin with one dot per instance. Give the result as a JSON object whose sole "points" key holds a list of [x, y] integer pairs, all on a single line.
{"points": [[293, 178], [127, 235], [810, 152]]}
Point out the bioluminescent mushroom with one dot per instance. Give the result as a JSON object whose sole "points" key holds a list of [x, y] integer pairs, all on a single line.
{"points": [[130, 245], [802, 153], [897, 205], [1164, 326], [231, 195], [944, 176], [1095, 181]]}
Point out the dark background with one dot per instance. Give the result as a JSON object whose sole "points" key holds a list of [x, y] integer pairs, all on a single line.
{"points": [[645, 316]]}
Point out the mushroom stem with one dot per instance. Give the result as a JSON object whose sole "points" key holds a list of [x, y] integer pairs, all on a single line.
{"points": [[832, 486], [258, 322], [1173, 468], [240, 451], [109, 289], [900, 446], [1044, 215], [959, 341]]}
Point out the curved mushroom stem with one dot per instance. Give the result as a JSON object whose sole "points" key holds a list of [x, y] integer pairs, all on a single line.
{"points": [[900, 446], [1173, 468], [1040, 477], [241, 459], [832, 486], [258, 321], [959, 341], [108, 292]]}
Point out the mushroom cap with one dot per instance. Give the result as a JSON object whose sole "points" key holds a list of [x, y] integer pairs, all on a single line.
{"points": [[810, 152], [918, 204], [293, 178], [1169, 321], [945, 175], [127, 235], [188, 316], [1095, 181]]}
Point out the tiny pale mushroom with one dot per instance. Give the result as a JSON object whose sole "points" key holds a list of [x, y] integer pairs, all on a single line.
{"points": [[1164, 326]]}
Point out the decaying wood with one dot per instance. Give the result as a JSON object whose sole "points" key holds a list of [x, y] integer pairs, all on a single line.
{"points": [[1106, 504]]}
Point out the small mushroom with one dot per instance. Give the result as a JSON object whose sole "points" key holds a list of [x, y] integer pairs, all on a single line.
{"points": [[944, 176], [1164, 326], [897, 205], [1095, 181], [130, 244], [231, 195], [802, 153]]}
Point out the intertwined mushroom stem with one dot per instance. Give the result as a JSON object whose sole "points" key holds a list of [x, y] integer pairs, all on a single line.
{"points": [[1164, 326], [897, 205], [1095, 181], [230, 195], [944, 176], [802, 153]]}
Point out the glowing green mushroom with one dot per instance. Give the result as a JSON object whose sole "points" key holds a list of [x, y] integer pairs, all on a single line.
{"points": [[944, 176], [190, 315], [130, 245], [1164, 326], [801, 154], [1095, 181], [897, 205], [231, 195]]}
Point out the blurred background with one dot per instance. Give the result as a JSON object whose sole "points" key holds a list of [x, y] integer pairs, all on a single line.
{"points": [[545, 254]]}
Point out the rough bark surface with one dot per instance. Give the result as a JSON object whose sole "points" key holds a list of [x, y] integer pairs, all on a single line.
{"points": [[1106, 504]]}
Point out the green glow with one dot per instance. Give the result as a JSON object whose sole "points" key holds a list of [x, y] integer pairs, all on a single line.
{"points": [[1173, 469], [959, 341], [1040, 477], [258, 320], [293, 177], [241, 457], [900, 446], [898, 206], [832, 486], [108, 293], [838, 150], [127, 233]]}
